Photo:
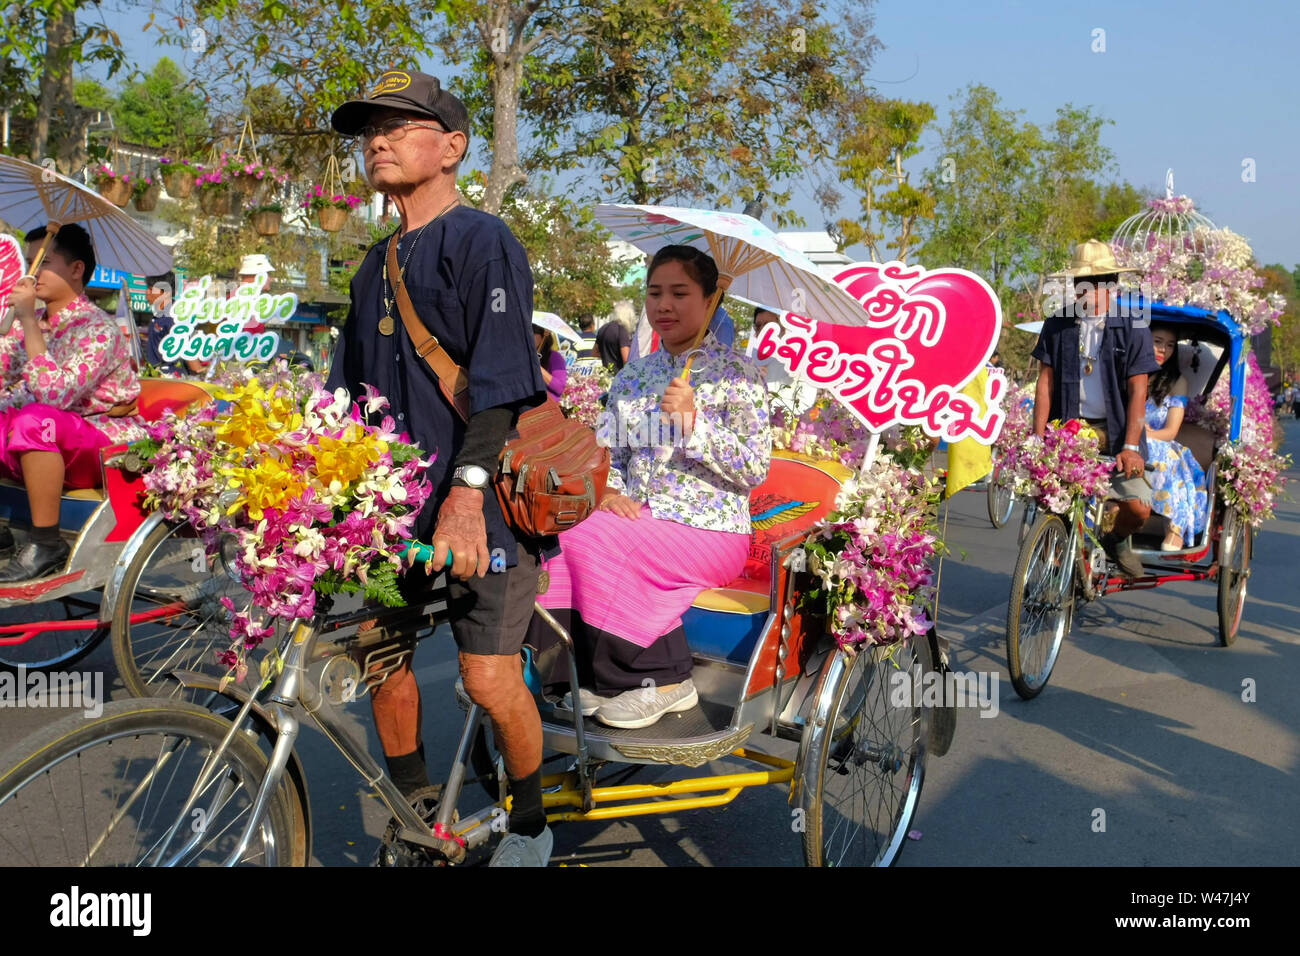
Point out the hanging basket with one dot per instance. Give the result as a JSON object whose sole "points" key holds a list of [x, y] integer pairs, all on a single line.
{"points": [[215, 202], [247, 186], [266, 222], [116, 191], [148, 200], [179, 182], [332, 218]]}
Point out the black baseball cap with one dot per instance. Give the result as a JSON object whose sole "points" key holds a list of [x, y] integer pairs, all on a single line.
{"points": [[403, 90]]}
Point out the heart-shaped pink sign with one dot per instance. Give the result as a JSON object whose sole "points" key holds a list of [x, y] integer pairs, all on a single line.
{"points": [[12, 267], [927, 334]]}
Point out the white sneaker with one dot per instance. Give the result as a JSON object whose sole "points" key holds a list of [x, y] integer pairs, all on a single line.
{"points": [[519, 850], [643, 706], [591, 702]]}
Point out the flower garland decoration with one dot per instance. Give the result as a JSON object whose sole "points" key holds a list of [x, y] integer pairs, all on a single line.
{"points": [[318, 199], [872, 558], [826, 430], [1174, 273], [582, 394], [1250, 476], [1061, 470], [318, 501], [1019, 424]]}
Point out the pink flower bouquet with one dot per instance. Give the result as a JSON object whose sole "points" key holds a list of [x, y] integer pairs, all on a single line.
{"points": [[1061, 470], [872, 556], [317, 500], [582, 391]]}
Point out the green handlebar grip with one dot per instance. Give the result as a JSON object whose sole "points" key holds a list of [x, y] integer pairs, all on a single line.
{"points": [[423, 552]]}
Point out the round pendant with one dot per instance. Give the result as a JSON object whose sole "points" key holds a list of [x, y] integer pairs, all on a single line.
{"points": [[386, 325], [1087, 366]]}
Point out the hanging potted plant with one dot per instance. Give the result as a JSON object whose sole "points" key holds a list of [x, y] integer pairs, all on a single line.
{"points": [[178, 176], [112, 185], [331, 209], [214, 193], [266, 218], [145, 190]]}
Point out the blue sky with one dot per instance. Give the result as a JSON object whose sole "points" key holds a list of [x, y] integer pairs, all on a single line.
{"points": [[1193, 85]]}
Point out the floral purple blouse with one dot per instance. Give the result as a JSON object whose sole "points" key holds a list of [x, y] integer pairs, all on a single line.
{"points": [[86, 370], [703, 482]]}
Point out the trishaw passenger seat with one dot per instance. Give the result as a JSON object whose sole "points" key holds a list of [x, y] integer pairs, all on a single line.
{"points": [[1199, 441], [726, 622], [159, 394]]}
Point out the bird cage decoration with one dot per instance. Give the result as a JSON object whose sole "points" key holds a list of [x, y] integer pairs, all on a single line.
{"points": [[1169, 223]]}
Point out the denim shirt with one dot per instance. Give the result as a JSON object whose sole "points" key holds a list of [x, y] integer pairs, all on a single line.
{"points": [[1126, 350]]}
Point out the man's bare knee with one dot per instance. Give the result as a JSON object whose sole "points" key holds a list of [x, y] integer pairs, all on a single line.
{"points": [[398, 687], [491, 681]]}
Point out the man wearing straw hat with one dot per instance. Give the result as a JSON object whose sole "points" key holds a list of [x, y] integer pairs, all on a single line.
{"points": [[470, 285], [1095, 361]]}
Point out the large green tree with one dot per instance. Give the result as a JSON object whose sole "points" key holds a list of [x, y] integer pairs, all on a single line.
{"points": [[162, 109], [294, 61], [874, 142], [1012, 198], [42, 44]]}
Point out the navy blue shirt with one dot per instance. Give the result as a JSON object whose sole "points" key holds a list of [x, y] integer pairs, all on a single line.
{"points": [[159, 326], [1126, 350], [470, 283]]}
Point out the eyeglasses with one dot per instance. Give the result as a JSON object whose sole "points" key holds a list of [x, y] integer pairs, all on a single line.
{"points": [[394, 130]]}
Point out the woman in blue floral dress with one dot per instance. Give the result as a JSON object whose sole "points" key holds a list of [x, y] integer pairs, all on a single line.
{"points": [[1177, 481]]}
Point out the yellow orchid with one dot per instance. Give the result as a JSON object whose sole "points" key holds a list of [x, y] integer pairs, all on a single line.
{"points": [[345, 459]]}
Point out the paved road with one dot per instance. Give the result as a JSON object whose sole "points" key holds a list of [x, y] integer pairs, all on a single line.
{"points": [[1143, 720]]}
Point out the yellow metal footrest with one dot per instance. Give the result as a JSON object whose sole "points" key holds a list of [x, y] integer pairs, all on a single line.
{"points": [[667, 797]]}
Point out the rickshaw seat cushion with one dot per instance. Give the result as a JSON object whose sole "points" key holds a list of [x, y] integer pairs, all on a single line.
{"points": [[798, 492], [157, 395], [1199, 441]]}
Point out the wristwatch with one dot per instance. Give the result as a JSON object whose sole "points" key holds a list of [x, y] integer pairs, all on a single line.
{"points": [[1135, 448], [470, 476]]}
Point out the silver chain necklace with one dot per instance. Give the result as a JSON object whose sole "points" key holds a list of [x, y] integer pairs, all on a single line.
{"points": [[386, 323]]}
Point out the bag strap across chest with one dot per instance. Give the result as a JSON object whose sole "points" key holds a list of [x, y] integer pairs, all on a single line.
{"points": [[452, 379]]}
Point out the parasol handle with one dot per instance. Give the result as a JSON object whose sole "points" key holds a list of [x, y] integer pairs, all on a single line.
{"points": [[724, 282], [52, 230]]}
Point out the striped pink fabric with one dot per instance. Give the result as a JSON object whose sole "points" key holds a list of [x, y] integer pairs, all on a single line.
{"points": [[635, 578]]}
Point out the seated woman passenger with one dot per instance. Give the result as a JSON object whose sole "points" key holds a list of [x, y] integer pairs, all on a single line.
{"points": [[675, 518], [1177, 481], [67, 389]]}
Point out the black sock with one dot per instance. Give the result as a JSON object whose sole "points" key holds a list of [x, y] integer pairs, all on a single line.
{"points": [[408, 771], [46, 536], [527, 817]]}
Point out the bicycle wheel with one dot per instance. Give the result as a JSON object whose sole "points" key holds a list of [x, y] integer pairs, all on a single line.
{"points": [[1000, 499], [863, 756], [169, 614], [113, 790], [1040, 608], [1235, 545]]}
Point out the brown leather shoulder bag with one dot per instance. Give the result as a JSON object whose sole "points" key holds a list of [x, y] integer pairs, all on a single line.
{"points": [[551, 473]]}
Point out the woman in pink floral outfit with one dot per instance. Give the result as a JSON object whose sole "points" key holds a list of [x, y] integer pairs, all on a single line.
{"points": [[67, 389]]}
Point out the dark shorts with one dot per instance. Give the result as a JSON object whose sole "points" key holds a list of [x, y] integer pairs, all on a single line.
{"points": [[490, 615], [1122, 487]]}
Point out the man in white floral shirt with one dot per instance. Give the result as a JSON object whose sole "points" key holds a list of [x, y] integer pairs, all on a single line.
{"points": [[67, 389]]}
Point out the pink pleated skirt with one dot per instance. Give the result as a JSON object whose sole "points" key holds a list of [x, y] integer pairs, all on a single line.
{"points": [[634, 579]]}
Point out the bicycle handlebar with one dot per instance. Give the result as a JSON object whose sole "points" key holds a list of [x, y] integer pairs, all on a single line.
{"points": [[424, 552]]}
